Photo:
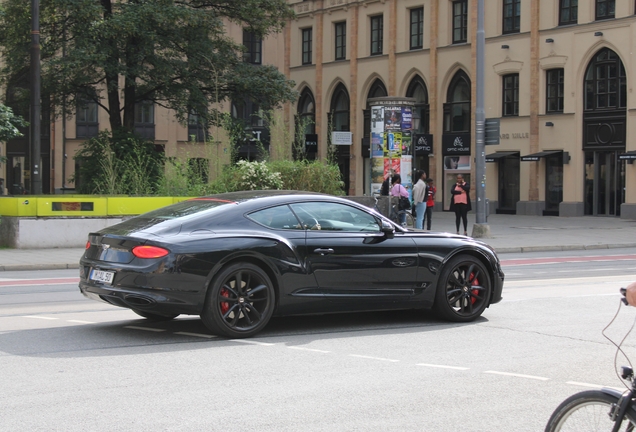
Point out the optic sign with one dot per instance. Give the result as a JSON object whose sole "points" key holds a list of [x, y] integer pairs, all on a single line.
{"points": [[456, 144], [311, 143], [341, 138], [423, 144]]}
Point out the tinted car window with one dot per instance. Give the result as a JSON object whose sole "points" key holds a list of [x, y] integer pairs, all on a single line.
{"points": [[328, 216], [280, 217]]}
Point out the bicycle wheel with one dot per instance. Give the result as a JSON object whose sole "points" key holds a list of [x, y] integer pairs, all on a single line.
{"points": [[588, 411], [410, 220]]}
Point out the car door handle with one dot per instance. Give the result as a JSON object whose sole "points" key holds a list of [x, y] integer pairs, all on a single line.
{"points": [[324, 251]]}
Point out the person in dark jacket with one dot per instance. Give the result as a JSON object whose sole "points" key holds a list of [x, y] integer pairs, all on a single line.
{"points": [[460, 202], [386, 184]]}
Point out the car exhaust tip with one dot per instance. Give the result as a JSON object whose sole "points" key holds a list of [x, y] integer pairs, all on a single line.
{"points": [[138, 301]]}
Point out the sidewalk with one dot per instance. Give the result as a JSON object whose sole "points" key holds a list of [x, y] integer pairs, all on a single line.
{"points": [[509, 234]]}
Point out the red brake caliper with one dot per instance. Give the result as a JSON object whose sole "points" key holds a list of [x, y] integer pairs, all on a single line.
{"points": [[225, 306], [474, 282]]}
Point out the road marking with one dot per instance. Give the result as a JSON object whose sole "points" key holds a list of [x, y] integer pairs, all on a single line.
{"points": [[195, 334], [374, 358], [39, 317], [145, 328], [251, 342], [308, 349], [560, 260], [33, 282], [442, 366], [81, 322], [518, 375]]}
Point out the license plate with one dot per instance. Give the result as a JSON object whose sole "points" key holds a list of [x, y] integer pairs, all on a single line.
{"points": [[102, 276]]}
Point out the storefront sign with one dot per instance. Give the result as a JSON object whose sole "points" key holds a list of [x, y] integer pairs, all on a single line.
{"points": [[423, 144], [456, 144], [311, 143]]}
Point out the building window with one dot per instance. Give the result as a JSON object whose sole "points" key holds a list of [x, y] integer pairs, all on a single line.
{"points": [[307, 34], [377, 36], [86, 122], [341, 40], [512, 16], [305, 125], [417, 28], [554, 91], [605, 9], [197, 130], [568, 12], [510, 95], [457, 107], [605, 82], [417, 89], [253, 48], [460, 21], [145, 119]]}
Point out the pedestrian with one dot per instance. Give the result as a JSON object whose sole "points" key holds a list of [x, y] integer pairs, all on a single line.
{"points": [[386, 184], [400, 191], [419, 198], [430, 202], [460, 202]]}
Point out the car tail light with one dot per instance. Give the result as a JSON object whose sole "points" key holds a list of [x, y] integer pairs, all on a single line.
{"points": [[88, 244], [149, 252]]}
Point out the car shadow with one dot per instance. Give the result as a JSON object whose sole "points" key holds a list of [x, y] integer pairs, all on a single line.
{"points": [[141, 336]]}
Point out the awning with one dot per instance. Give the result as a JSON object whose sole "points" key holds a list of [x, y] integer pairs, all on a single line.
{"points": [[492, 157], [536, 156], [628, 156]]}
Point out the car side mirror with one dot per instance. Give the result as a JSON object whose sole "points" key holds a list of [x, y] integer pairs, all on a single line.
{"points": [[387, 229]]}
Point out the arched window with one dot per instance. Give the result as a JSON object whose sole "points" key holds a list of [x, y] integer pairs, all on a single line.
{"points": [[377, 90], [340, 109], [605, 82], [417, 89], [457, 106], [307, 111]]}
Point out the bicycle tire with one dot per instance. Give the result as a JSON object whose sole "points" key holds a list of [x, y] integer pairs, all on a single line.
{"points": [[588, 411]]}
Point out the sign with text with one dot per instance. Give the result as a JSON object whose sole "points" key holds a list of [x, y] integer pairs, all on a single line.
{"points": [[341, 138], [423, 144], [311, 143], [456, 144]]}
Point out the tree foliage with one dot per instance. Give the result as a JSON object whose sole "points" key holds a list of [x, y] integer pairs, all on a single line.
{"points": [[9, 124], [174, 52]]}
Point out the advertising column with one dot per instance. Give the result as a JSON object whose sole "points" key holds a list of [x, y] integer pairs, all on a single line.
{"points": [[391, 145]]}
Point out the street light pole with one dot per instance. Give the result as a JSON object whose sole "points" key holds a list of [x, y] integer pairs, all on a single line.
{"points": [[36, 107], [481, 229]]}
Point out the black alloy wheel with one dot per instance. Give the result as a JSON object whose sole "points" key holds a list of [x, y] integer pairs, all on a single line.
{"points": [[464, 289], [155, 317], [240, 301]]}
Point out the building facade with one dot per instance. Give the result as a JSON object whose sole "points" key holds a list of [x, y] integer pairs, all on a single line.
{"points": [[559, 78], [558, 81]]}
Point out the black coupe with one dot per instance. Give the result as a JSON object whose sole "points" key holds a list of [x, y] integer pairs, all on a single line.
{"points": [[237, 259]]}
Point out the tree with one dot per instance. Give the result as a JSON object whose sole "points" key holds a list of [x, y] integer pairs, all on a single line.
{"points": [[9, 124], [119, 53]]}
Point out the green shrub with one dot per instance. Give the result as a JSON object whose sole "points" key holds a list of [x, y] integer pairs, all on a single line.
{"points": [[312, 176], [121, 163]]}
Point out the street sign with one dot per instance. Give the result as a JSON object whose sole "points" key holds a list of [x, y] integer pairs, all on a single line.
{"points": [[492, 131]]}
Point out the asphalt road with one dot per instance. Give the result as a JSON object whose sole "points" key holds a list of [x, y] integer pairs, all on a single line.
{"points": [[72, 364]]}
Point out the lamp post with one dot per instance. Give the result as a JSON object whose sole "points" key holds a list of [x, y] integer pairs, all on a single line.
{"points": [[480, 228], [415, 119], [36, 108]]}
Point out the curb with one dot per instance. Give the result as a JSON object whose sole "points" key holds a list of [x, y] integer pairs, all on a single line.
{"points": [[27, 267]]}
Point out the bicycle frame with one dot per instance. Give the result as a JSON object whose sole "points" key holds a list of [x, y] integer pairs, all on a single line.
{"points": [[625, 399]]}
